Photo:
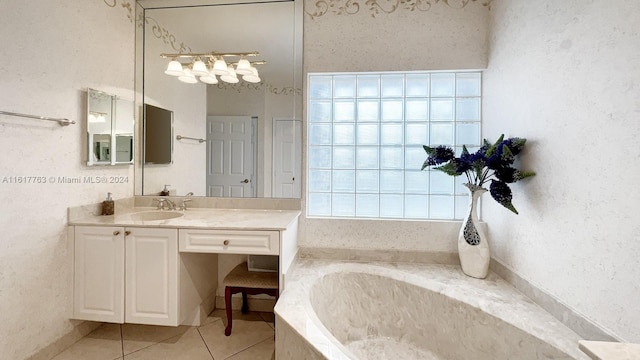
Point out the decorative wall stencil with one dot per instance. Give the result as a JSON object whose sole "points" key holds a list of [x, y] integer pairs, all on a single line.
{"points": [[240, 87], [163, 34], [125, 5], [158, 31], [375, 7]]}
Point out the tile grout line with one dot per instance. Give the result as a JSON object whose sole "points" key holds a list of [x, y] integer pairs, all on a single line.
{"points": [[243, 350], [122, 341], [268, 322], [250, 346], [205, 343]]}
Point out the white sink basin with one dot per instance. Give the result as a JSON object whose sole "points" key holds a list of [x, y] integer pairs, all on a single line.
{"points": [[155, 215]]}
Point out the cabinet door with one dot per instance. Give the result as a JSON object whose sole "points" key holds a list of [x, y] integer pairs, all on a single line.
{"points": [[99, 274], [151, 276]]}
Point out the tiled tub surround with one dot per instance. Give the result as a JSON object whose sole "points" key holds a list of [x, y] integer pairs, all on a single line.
{"points": [[349, 310]]}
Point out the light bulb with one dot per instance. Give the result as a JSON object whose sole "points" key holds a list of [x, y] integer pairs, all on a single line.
{"points": [[243, 67], [253, 77], [220, 67], [209, 79], [188, 77], [199, 68], [174, 68], [231, 78]]}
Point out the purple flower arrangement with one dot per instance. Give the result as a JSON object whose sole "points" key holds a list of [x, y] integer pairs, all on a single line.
{"points": [[492, 163]]}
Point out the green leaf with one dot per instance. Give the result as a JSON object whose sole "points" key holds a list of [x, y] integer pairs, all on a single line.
{"points": [[517, 144], [425, 164], [507, 156], [492, 149], [465, 151], [501, 193], [524, 174], [428, 150], [448, 168]]}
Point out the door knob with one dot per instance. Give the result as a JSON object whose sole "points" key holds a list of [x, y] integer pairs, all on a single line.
{"points": [[226, 242], [246, 181], [116, 233], [127, 233]]}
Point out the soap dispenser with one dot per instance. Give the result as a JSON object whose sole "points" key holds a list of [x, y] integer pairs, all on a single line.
{"points": [[165, 191], [108, 206]]}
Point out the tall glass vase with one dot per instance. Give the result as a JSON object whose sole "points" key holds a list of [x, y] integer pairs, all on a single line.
{"points": [[473, 248]]}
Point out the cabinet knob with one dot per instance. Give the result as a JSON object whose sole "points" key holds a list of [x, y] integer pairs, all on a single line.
{"points": [[116, 233], [226, 242], [127, 233]]}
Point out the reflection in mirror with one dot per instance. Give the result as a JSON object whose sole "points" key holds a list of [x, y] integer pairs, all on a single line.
{"points": [[109, 127], [236, 119]]}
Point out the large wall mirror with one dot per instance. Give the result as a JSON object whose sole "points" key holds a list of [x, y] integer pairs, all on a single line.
{"points": [[229, 139]]}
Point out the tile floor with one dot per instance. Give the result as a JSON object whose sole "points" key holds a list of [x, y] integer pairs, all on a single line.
{"points": [[252, 338]]}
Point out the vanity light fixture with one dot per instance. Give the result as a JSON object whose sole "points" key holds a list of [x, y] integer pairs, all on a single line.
{"points": [[231, 78], [199, 68], [219, 67], [253, 76], [174, 68], [97, 117], [188, 77], [216, 66], [243, 67], [209, 79]]}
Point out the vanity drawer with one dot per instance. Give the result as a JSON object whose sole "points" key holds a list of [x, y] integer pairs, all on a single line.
{"points": [[229, 241]]}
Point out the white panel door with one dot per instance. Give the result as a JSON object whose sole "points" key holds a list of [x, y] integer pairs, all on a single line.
{"points": [[287, 156], [98, 274], [231, 156], [152, 276]]}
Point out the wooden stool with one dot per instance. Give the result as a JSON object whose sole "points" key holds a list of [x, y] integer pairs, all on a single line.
{"points": [[240, 279]]}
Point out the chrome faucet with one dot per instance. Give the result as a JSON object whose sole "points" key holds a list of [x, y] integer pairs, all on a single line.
{"points": [[183, 207], [171, 204], [161, 203], [165, 204]]}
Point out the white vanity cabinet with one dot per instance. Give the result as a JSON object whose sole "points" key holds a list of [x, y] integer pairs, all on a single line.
{"points": [[151, 276], [166, 272], [98, 280], [126, 274]]}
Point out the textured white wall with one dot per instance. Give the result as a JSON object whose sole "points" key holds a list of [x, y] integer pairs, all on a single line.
{"points": [[447, 36], [52, 51], [354, 36], [566, 76]]}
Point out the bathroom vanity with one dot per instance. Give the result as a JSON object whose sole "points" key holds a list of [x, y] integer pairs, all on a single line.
{"points": [[153, 267]]}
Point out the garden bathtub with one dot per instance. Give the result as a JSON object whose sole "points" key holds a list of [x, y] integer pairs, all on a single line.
{"points": [[350, 310]]}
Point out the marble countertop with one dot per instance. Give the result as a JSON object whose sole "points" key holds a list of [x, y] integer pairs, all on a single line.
{"points": [[199, 218], [603, 350]]}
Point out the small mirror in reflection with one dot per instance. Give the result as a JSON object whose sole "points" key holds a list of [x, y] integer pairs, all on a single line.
{"points": [[110, 126]]}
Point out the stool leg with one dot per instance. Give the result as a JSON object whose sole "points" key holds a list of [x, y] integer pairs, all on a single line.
{"points": [[227, 302], [245, 306]]}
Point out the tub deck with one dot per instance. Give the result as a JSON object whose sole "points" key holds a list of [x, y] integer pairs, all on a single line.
{"points": [[301, 335]]}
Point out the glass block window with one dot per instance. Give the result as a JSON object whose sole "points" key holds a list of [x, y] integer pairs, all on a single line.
{"points": [[365, 137]]}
